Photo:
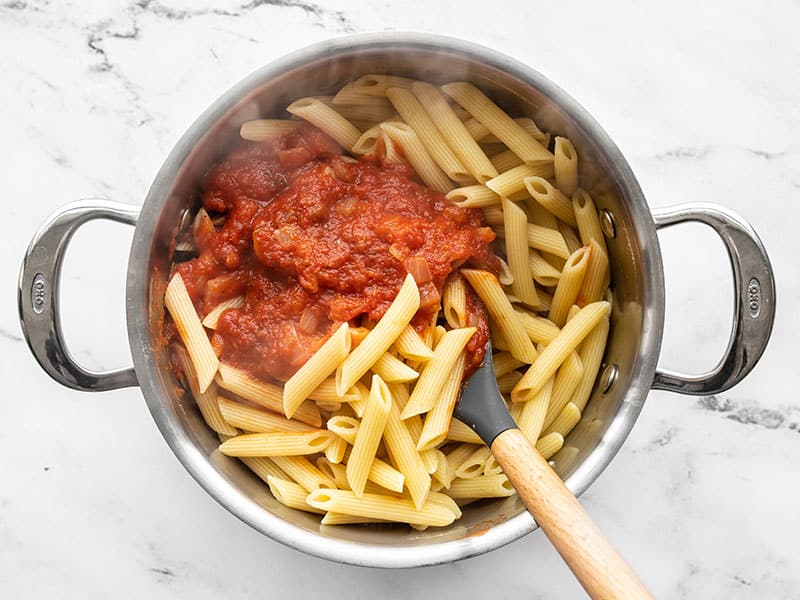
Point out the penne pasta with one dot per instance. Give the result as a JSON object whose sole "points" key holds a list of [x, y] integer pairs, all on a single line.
{"points": [[531, 415], [376, 506], [411, 346], [453, 131], [404, 455], [303, 472], [417, 156], [413, 113], [368, 141], [316, 370], [436, 370], [539, 329], [542, 271], [551, 199], [336, 450], [488, 289], [206, 401], [459, 432], [507, 382], [211, 319], [591, 353], [264, 394], [516, 225], [498, 122], [378, 84], [547, 240], [260, 130], [277, 443], [595, 279], [473, 196], [588, 219], [549, 444], [565, 166], [290, 494], [566, 382], [504, 362], [565, 421], [263, 467], [377, 341], [494, 486], [392, 369], [437, 421], [368, 435], [190, 329], [553, 356], [327, 119], [513, 180], [256, 420], [454, 301], [505, 160], [473, 465], [569, 285]]}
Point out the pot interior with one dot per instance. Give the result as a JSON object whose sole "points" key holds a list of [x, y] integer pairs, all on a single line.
{"points": [[636, 279]]}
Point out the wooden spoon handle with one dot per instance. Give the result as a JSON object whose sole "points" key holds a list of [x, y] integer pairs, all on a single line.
{"points": [[598, 566]]}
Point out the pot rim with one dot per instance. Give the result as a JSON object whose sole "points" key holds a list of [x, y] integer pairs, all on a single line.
{"points": [[361, 554]]}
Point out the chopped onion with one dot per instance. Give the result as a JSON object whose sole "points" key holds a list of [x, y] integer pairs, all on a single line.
{"points": [[428, 295], [309, 321], [418, 267]]}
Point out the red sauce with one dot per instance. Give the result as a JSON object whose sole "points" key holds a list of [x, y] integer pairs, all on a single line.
{"points": [[313, 240]]}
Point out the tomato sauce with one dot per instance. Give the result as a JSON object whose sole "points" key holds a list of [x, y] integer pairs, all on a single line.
{"points": [[313, 239]]}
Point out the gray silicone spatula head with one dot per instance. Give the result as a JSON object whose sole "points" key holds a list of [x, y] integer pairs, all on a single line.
{"points": [[481, 405]]}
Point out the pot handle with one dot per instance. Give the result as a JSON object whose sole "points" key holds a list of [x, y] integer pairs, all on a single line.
{"points": [[38, 295], [754, 299]]}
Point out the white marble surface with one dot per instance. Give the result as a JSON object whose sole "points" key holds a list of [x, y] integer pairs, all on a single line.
{"points": [[703, 99]]}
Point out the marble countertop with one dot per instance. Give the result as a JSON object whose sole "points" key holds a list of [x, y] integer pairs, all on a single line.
{"points": [[702, 98]]}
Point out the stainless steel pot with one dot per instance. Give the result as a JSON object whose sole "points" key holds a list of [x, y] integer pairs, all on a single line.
{"points": [[637, 319]]}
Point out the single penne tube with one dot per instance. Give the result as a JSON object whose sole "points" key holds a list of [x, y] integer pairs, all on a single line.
{"points": [[494, 486], [435, 372], [368, 141], [530, 416], [411, 346], [476, 129], [569, 285], [363, 113], [566, 382], [256, 420], [336, 472], [417, 156], [191, 331], [334, 518], [547, 240], [549, 444], [506, 382], [392, 369], [437, 421], [459, 432], [263, 467], [591, 353], [378, 340], [493, 215], [290, 494], [377, 84], [212, 318], [587, 218], [505, 362], [498, 122], [457, 456], [403, 454], [326, 119], [488, 289], [539, 329], [570, 237], [259, 130], [472, 466], [473, 196], [206, 401], [542, 271], [303, 472], [391, 508], [565, 421], [515, 222], [386, 476], [442, 474], [555, 261], [505, 160], [344, 427], [492, 467], [413, 113], [532, 129], [513, 180], [393, 152], [368, 435], [557, 351], [565, 166], [452, 129], [505, 276], [326, 392], [316, 369], [294, 443], [551, 199], [352, 95], [336, 450], [264, 394], [595, 279], [454, 301], [539, 215]]}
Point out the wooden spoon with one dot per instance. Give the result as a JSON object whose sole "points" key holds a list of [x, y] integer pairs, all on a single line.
{"points": [[597, 565]]}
